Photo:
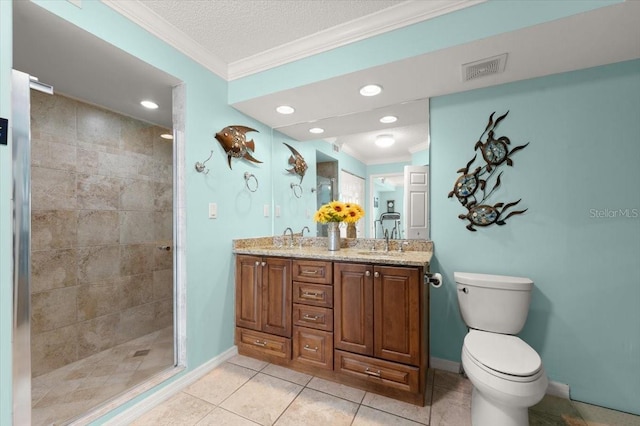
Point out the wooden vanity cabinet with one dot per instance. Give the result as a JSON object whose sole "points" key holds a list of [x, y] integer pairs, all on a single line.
{"points": [[365, 325], [313, 314], [377, 311], [381, 328], [263, 306]]}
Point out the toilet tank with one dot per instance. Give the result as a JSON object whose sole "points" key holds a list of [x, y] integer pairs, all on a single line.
{"points": [[494, 303]]}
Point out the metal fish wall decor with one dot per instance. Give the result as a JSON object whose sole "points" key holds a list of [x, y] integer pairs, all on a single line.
{"points": [[234, 142], [470, 187], [297, 161]]}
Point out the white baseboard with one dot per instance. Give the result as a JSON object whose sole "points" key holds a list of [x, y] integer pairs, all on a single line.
{"points": [[445, 364], [558, 389], [168, 391]]}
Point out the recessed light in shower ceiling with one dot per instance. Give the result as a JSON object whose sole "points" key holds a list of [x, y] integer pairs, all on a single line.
{"points": [[371, 90], [285, 109], [149, 104]]}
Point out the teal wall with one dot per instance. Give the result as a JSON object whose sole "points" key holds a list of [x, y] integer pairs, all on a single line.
{"points": [[584, 129]]}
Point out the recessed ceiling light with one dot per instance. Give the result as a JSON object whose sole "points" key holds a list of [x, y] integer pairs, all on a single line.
{"points": [[389, 119], [385, 141], [285, 109], [316, 130], [166, 136], [370, 90], [149, 104]]}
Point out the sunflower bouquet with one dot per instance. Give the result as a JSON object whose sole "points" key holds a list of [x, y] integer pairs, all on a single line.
{"points": [[337, 211]]}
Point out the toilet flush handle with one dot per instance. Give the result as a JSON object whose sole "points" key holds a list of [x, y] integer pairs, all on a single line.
{"points": [[464, 290]]}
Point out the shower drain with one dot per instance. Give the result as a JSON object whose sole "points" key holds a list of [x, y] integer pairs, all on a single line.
{"points": [[141, 353]]}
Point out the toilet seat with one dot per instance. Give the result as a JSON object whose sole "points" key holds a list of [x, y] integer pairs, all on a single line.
{"points": [[505, 356]]}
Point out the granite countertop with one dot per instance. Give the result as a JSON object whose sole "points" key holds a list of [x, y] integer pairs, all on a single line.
{"points": [[415, 252]]}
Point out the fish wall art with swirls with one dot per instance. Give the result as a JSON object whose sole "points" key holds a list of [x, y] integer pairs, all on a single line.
{"points": [[234, 142]]}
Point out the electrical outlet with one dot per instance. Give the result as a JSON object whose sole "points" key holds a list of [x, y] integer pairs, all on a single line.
{"points": [[266, 210], [213, 211], [277, 211]]}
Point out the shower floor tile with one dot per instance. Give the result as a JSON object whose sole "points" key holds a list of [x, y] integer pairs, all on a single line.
{"points": [[70, 391]]}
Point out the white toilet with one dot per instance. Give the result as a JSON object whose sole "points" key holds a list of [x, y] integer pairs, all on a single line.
{"points": [[506, 373]]}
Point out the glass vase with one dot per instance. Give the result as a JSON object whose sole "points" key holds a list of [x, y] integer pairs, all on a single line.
{"points": [[333, 233], [351, 230]]}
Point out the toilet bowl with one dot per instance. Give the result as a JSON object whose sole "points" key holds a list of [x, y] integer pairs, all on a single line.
{"points": [[506, 373], [507, 378]]}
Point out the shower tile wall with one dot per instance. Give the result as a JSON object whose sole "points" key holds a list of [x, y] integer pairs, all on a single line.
{"points": [[101, 206]]}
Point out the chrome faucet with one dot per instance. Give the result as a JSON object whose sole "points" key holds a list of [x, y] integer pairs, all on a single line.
{"points": [[302, 234], [386, 240], [291, 236]]}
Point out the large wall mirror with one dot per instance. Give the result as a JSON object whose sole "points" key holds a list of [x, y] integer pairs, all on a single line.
{"points": [[350, 163], [103, 288]]}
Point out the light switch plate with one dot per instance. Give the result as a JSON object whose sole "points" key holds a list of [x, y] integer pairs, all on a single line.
{"points": [[277, 211], [213, 211], [266, 210]]}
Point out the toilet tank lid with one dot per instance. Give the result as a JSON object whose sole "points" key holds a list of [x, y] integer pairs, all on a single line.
{"points": [[493, 281], [503, 353]]}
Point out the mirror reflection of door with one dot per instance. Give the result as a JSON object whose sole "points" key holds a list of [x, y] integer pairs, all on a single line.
{"points": [[416, 202], [352, 191]]}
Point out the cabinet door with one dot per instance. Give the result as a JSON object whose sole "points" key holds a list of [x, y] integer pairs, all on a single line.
{"points": [[276, 296], [353, 307], [248, 292], [397, 314]]}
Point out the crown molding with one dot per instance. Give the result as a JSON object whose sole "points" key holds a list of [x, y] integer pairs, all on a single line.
{"points": [[165, 31], [401, 15]]}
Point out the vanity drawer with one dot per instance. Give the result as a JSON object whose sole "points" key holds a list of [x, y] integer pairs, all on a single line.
{"points": [[390, 374], [313, 347], [313, 317], [263, 343], [312, 271], [313, 294]]}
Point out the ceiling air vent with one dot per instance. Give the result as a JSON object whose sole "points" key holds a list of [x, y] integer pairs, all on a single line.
{"points": [[483, 67]]}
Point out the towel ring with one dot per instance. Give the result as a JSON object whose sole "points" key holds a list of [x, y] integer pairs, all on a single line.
{"points": [[297, 189], [247, 179], [200, 167]]}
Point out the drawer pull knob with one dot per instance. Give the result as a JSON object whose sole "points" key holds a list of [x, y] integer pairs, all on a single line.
{"points": [[264, 263], [373, 373], [259, 343], [307, 348], [311, 294], [313, 272], [376, 274], [310, 318], [367, 273], [257, 263]]}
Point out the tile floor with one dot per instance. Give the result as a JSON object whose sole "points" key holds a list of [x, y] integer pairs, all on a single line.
{"points": [[248, 392], [74, 389]]}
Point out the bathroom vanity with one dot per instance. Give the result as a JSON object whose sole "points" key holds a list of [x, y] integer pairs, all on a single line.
{"points": [[353, 316]]}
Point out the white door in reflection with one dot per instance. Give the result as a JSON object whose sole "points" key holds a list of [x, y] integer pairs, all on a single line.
{"points": [[352, 191], [416, 202]]}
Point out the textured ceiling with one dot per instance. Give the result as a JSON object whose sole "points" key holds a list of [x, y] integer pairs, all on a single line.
{"points": [[233, 30]]}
